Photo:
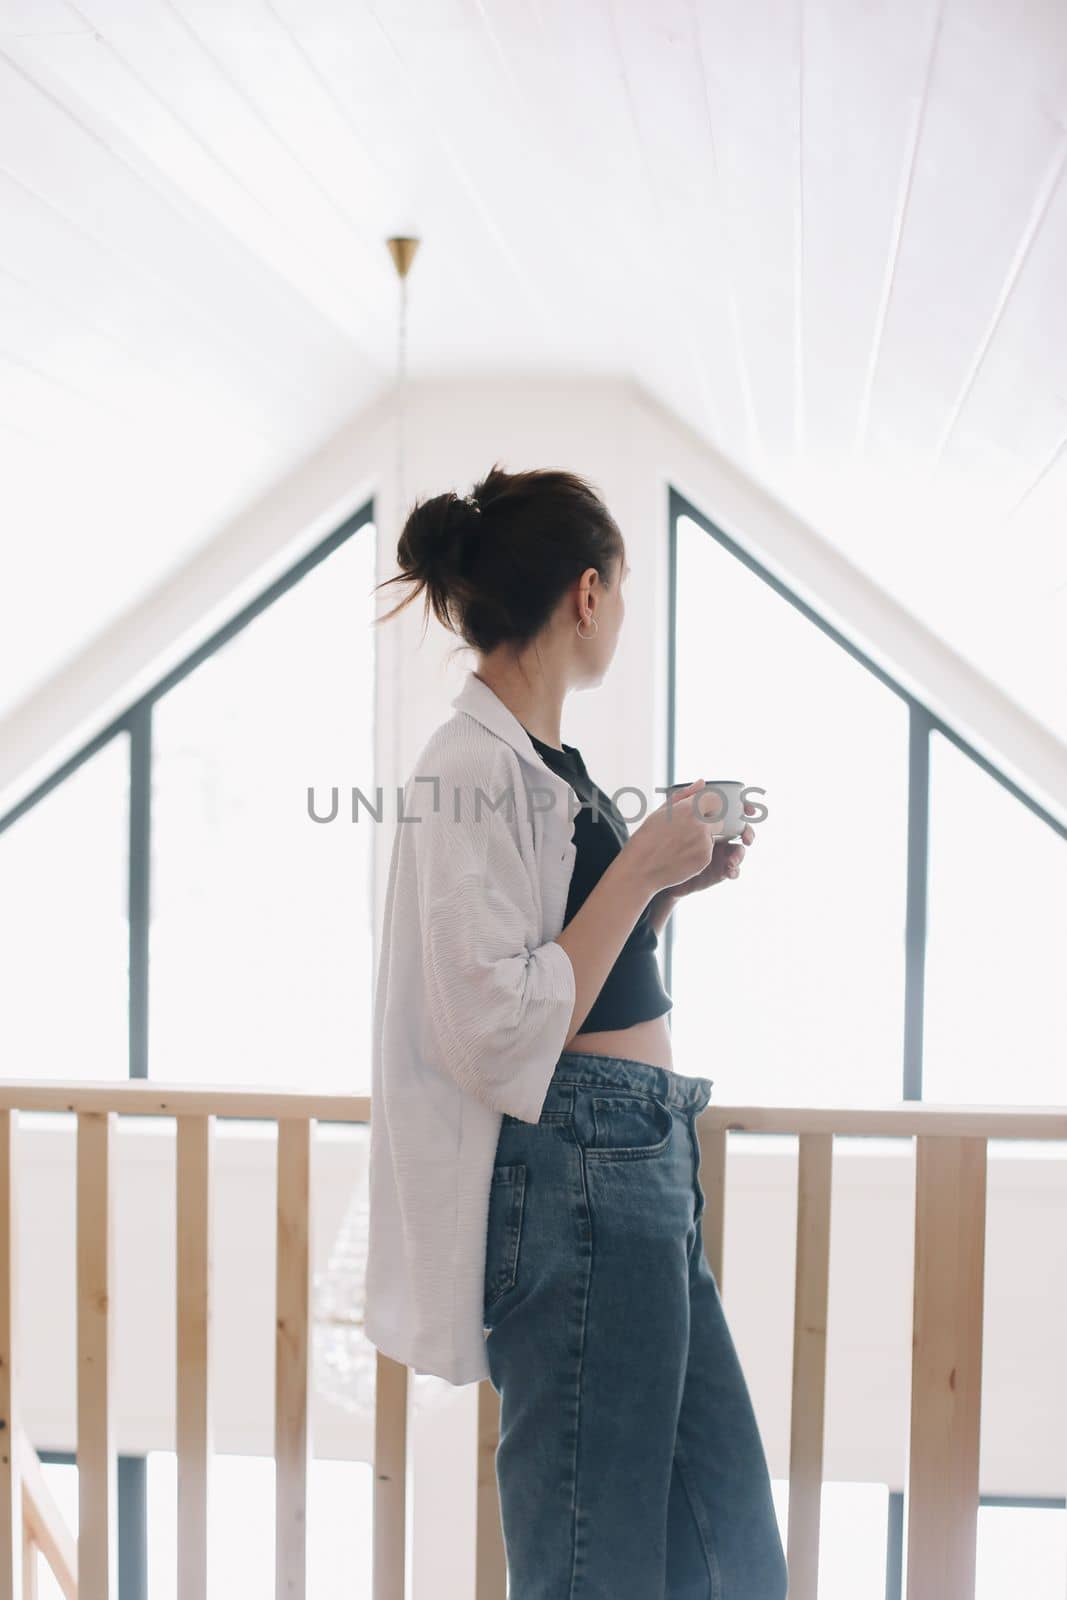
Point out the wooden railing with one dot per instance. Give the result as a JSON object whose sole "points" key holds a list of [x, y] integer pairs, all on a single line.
{"points": [[946, 1361], [195, 1110], [947, 1314]]}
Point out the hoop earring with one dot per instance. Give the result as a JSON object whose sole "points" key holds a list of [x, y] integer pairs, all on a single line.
{"points": [[596, 628]]}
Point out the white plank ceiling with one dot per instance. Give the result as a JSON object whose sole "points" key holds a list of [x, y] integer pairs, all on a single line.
{"points": [[831, 234]]}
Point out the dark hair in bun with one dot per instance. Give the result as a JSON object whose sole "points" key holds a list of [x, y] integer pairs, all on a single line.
{"points": [[493, 565]]}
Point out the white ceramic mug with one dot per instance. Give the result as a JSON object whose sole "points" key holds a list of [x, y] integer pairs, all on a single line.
{"points": [[725, 805]]}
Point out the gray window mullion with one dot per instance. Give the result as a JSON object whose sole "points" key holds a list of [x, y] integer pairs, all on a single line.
{"points": [[139, 882], [917, 896]]}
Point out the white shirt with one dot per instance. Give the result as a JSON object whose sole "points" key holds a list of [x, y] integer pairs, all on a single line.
{"points": [[473, 1005]]}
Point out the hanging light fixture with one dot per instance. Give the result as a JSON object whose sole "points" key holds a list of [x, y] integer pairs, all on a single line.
{"points": [[345, 1359], [402, 250]]}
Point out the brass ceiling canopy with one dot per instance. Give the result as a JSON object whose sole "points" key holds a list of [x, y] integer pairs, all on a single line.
{"points": [[402, 251]]}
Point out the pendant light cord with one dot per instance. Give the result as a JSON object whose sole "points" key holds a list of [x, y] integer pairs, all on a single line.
{"points": [[401, 379]]}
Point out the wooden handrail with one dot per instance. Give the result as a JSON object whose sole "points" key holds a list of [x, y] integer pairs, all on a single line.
{"points": [[900, 1119], [897, 1119], [148, 1098]]}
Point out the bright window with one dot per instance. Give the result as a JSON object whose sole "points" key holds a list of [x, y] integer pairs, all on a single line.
{"points": [[241, 1524], [789, 986], [241, 1528], [996, 946], [64, 934], [260, 955], [852, 1538], [1021, 1550]]}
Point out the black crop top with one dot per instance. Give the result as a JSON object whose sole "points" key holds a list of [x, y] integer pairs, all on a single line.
{"points": [[633, 990]]}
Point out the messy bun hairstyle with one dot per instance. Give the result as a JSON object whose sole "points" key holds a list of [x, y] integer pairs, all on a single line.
{"points": [[493, 565]]}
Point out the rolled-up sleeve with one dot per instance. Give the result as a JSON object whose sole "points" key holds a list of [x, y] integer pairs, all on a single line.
{"points": [[499, 1004]]}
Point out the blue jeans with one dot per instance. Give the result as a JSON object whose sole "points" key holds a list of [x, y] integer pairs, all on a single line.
{"points": [[630, 1465]]}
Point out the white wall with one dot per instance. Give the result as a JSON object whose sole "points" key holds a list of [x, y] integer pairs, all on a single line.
{"points": [[614, 435], [610, 431]]}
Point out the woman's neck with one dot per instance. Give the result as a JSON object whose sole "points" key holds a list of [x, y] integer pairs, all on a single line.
{"points": [[537, 704]]}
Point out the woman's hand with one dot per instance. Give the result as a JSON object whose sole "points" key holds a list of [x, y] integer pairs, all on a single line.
{"points": [[726, 859], [673, 843]]}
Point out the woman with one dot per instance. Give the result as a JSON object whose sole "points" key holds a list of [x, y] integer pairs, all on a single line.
{"points": [[535, 1199]]}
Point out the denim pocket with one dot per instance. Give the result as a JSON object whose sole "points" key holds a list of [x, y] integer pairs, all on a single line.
{"points": [[507, 1193], [628, 1126]]}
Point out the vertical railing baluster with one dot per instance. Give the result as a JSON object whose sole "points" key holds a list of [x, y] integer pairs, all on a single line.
{"points": [[814, 1178], [390, 1477], [946, 1372], [29, 1566], [712, 1143], [193, 1256], [490, 1558], [292, 1356], [11, 1551], [97, 1466]]}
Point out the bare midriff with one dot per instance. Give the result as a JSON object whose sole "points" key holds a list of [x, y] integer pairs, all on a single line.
{"points": [[643, 1041]]}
